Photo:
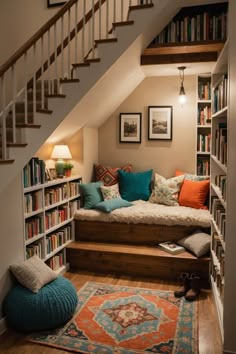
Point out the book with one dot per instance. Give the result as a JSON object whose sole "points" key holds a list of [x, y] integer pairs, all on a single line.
{"points": [[171, 247]]}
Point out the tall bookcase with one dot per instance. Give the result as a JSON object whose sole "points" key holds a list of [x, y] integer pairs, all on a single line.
{"points": [[218, 198], [49, 207], [203, 147]]}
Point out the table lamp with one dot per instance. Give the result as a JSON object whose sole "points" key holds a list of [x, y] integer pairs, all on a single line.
{"points": [[61, 153]]}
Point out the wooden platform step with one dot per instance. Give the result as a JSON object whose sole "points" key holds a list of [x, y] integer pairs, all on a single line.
{"points": [[134, 260]]}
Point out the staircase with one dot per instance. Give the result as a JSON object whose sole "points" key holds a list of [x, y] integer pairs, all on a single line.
{"points": [[44, 80]]}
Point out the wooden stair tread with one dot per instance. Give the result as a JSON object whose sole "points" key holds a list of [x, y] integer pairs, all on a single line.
{"points": [[7, 161], [56, 95], [43, 110], [140, 7], [17, 144], [28, 125], [69, 80], [93, 60], [129, 249], [80, 65], [105, 40], [124, 23]]}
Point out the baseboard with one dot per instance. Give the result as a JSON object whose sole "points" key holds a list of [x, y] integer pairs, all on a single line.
{"points": [[3, 325]]}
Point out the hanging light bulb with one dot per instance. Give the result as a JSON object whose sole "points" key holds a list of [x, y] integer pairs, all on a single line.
{"points": [[182, 94]]}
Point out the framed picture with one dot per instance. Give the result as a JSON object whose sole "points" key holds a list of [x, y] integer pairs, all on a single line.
{"points": [[160, 122], [130, 127], [56, 2], [53, 173]]}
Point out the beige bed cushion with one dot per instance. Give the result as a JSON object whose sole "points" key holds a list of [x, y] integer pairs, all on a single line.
{"points": [[33, 273], [149, 213]]}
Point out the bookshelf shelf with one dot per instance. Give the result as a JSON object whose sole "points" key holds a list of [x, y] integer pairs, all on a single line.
{"points": [[51, 224]]}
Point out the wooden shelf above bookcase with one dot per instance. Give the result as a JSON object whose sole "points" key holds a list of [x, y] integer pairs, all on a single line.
{"points": [[171, 53]]}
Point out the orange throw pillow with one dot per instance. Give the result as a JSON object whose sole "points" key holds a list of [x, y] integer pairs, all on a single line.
{"points": [[193, 194]]}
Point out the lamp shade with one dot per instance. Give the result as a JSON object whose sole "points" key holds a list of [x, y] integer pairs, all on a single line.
{"points": [[61, 152]]}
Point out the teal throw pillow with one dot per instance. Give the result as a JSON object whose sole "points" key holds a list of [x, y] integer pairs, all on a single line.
{"points": [[111, 204], [91, 194], [135, 186]]}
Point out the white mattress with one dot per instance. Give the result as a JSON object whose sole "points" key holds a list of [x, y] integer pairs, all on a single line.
{"points": [[149, 213]]}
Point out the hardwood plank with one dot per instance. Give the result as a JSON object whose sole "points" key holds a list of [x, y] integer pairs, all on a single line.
{"points": [[183, 49], [209, 332], [178, 58], [129, 233], [135, 260]]}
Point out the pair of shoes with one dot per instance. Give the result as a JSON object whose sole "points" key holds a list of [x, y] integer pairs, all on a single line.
{"points": [[190, 286]]}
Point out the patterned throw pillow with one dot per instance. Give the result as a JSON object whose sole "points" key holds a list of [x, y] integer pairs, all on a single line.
{"points": [[190, 176], [109, 175], [110, 192], [166, 191]]}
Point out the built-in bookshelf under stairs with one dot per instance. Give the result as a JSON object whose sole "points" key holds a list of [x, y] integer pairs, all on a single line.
{"points": [[132, 257]]}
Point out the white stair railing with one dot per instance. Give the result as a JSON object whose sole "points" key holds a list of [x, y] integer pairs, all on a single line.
{"points": [[35, 71]]}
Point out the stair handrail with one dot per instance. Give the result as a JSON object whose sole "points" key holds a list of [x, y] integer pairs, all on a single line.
{"points": [[27, 45]]}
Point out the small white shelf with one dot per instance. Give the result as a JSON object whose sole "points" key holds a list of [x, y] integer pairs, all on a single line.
{"points": [[33, 239], [58, 249], [58, 226], [219, 164], [219, 194], [33, 213], [218, 233], [203, 153], [221, 113], [205, 126]]}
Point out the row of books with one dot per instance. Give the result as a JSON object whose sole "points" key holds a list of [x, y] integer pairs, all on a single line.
{"points": [[56, 216], [204, 142], [203, 166], [34, 172], [56, 261], [57, 239], [218, 250], [219, 215], [34, 226], [194, 28], [55, 195], [221, 182], [34, 248], [32, 201], [220, 94], [220, 147], [73, 189], [219, 282], [204, 115], [204, 89]]}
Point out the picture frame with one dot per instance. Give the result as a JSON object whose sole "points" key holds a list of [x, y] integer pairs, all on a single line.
{"points": [[53, 173], [52, 3], [160, 122], [130, 127]]}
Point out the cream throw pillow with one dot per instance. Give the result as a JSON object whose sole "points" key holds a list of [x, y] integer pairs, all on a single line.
{"points": [[33, 273], [166, 191], [110, 192]]}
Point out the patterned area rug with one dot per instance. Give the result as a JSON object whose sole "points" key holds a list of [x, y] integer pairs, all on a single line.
{"points": [[113, 319]]}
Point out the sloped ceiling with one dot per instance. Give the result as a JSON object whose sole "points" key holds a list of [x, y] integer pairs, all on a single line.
{"points": [[118, 83]]}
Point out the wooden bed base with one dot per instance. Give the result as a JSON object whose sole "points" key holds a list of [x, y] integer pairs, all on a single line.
{"points": [[131, 249], [145, 234]]}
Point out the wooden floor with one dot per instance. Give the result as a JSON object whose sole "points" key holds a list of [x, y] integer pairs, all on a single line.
{"points": [[209, 333]]}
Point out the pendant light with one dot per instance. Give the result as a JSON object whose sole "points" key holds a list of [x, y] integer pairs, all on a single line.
{"points": [[182, 94]]}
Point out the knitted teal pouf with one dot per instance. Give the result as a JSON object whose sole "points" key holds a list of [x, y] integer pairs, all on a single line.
{"points": [[51, 307]]}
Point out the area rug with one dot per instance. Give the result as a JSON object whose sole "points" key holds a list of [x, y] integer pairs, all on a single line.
{"points": [[113, 319]]}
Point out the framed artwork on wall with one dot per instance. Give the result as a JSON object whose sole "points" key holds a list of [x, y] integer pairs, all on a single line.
{"points": [[56, 2], [160, 122], [130, 127]]}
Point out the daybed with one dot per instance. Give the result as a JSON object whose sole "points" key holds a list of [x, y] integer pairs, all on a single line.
{"points": [[144, 223], [125, 239]]}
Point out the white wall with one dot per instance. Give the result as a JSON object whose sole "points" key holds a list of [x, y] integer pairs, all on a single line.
{"points": [[163, 156], [11, 235], [19, 20]]}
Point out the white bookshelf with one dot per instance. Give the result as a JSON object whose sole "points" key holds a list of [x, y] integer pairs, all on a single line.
{"points": [[218, 202], [203, 124], [48, 219]]}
